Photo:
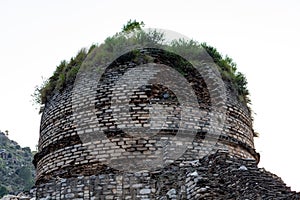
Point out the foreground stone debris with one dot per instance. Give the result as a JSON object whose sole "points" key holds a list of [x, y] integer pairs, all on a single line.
{"points": [[217, 176], [20, 196]]}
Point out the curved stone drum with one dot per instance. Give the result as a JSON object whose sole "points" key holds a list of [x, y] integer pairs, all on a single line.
{"points": [[133, 123]]}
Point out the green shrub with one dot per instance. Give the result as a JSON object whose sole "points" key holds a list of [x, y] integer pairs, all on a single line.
{"points": [[66, 72], [3, 191], [229, 72], [133, 25], [25, 174]]}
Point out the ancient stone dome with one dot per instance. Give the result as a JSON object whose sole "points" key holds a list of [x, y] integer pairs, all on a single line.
{"points": [[131, 135]]}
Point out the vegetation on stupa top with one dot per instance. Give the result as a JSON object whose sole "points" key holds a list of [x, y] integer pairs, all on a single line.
{"points": [[133, 35]]}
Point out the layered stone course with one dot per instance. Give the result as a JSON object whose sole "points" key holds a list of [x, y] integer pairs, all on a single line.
{"points": [[234, 128]]}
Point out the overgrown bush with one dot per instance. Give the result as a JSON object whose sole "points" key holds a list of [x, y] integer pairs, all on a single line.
{"points": [[65, 73]]}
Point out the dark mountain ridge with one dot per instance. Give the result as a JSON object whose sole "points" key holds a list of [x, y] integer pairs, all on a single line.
{"points": [[16, 169]]}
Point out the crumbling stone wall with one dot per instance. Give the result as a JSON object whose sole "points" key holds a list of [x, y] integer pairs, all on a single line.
{"points": [[70, 165], [215, 176]]}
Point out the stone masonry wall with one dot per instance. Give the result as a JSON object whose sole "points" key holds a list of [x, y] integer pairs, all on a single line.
{"points": [[75, 162]]}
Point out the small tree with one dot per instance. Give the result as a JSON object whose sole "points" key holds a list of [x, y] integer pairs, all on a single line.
{"points": [[26, 176], [133, 25]]}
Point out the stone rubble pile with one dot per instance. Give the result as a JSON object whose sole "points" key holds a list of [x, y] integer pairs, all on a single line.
{"points": [[221, 176], [217, 176], [20, 196]]}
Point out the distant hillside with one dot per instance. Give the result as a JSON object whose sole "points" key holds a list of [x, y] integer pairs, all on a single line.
{"points": [[16, 169]]}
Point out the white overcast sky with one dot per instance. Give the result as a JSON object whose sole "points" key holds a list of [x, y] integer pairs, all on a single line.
{"points": [[262, 36]]}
